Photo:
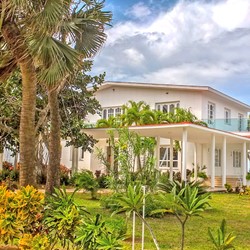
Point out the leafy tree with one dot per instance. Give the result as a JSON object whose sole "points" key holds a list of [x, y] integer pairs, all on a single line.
{"points": [[28, 41], [223, 240], [37, 37]]}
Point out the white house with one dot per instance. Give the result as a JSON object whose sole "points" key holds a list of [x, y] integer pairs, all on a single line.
{"points": [[221, 147]]}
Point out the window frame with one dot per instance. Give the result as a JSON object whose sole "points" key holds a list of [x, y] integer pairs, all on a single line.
{"points": [[237, 161], [111, 111], [167, 107], [166, 157]]}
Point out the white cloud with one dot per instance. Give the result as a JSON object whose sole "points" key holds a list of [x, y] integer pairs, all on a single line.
{"points": [[196, 42], [134, 56], [139, 10]]}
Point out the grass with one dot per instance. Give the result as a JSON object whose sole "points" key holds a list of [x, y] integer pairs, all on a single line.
{"points": [[234, 208]]}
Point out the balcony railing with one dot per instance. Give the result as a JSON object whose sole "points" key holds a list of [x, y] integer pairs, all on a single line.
{"points": [[230, 125]]}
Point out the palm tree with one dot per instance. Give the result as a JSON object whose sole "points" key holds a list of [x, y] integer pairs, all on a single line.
{"points": [[32, 37], [132, 113], [88, 33]]}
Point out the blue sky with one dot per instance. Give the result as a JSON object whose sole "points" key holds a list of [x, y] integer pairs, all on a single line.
{"points": [[195, 42]]}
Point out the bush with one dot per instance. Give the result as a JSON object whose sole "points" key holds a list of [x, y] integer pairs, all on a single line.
{"points": [[20, 213], [102, 181], [109, 202], [228, 188], [86, 180], [248, 176], [154, 202]]}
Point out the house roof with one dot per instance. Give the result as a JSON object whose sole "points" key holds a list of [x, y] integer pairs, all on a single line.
{"points": [[196, 133], [110, 84]]}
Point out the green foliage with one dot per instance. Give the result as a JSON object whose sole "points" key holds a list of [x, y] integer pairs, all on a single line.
{"points": [[222, 240], [132, 201], [134, 155], [110, 201], [248, 176], [94, 234], [187, 200], [228, 188], [86, 180], [62, 217], [168, 186]]}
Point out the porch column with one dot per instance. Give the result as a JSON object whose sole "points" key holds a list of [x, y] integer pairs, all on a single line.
{"points": [[212, 155], [195, 161], [171, 160], [244, 163], [157, 153], [224, 162], [184, 155]]}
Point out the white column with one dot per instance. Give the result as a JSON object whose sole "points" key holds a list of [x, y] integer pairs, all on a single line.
{"points": [[195, 161], [184, 154], [224, 161], [171, 160], [212, 155], [157, 153], [244, 163]]}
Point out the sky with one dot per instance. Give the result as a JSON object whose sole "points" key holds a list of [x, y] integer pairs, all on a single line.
{"points": [[193, 42]]}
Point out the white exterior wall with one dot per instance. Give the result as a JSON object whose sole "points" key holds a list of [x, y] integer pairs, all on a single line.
{"points": [[220, 105], [195, 100], [118, 96]]}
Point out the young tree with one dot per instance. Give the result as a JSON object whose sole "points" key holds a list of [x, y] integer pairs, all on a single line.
{"points": [[186, 201]]}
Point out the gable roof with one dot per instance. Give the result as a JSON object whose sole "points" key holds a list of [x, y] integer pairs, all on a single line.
{"points": [[110, 84]]}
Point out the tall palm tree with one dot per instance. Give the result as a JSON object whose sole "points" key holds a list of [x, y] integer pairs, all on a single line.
{"points": [[31, 37], [84, 27]]}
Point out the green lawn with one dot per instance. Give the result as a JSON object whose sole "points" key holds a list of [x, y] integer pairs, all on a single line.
{"points": [[234, 208]]}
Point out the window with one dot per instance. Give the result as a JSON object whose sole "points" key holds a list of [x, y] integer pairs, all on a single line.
{"points": [[240, 122], [227, 115], [217, 157], [236, 159], [165, 157], [211, 113], [167, 106], [111, 111]]}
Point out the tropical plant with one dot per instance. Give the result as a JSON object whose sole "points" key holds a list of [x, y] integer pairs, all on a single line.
{"points": [[222, 240], [86, 180], [43, 33], [94, 234], [20, 213], [186, 201], [62, 216], [132, 201]]}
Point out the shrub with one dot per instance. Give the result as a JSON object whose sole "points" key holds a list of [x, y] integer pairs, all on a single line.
{"points": [[248, 176], [154, 202], [20, 212], [86, 180], [102, 181], [109, 202], [228, 188]]}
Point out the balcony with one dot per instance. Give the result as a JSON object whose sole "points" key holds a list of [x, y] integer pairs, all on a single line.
{"points": [[232, 125]]}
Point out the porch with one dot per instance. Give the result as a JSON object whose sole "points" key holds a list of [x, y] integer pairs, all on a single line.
{"points": [[198, 146]]}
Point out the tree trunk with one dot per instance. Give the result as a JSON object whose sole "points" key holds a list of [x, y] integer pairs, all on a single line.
{"points": [[16, 44], [53, 179]]}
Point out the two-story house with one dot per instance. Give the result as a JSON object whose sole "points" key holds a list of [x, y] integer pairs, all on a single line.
{"points": [[220, 146]]}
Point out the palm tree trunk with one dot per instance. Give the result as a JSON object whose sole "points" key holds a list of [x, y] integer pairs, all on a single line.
{"points": [[53, 179], [16, 44]]}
